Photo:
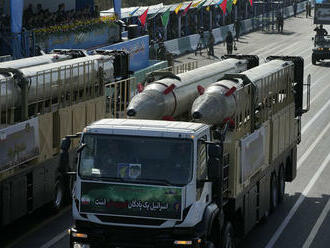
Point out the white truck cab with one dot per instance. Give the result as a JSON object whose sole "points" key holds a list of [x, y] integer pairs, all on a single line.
{"points": [[143, 174]]}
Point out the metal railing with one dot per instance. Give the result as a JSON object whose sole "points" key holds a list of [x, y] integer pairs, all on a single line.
{"points": [[49, 90], [117, 97], [118, 94]]}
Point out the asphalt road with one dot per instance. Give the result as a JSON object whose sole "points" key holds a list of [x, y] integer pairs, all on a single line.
{"points": [[303, 219]]}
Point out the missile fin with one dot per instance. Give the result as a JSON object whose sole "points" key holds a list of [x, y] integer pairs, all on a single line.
{"points": [[169, 89], [230, 91], [200, 89], [230, 121]]}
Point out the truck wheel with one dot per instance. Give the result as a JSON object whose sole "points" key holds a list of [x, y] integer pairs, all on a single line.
{"points": [[313, 60], [227, 238], [209, 244], [59, 194], [273, 193], [281, 184]]}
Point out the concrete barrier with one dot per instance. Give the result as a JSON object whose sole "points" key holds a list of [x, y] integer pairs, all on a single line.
{"points": [[189, 43]]}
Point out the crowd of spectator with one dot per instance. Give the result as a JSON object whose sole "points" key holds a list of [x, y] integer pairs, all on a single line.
{"points": [[40, 17], [4, 22], [44, 18]]}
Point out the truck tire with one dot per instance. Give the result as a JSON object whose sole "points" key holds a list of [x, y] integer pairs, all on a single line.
{"points": [[59, 195], [209, 244], [227, 237], [281, 184], [314, 59], [273, 193]]}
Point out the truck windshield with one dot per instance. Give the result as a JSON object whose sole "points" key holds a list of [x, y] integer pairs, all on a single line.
{"points": [[136, 159], [322, 40]]}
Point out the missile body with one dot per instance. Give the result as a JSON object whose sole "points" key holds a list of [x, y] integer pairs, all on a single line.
{"points": [[172, 97], [44, 80], [215, 105], [34, 61], [54, 56]]}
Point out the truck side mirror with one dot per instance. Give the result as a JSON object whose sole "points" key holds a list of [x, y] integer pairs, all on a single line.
{"points": [[213, 169], [65, 144], [214, 150], [214, 162]]}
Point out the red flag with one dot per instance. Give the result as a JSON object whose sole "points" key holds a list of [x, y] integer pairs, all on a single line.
{"points": [[143, 17], [223, 6], [251, 2], [186, 9]]}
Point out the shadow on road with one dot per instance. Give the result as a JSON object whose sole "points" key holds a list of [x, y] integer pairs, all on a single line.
{"points": [[285, 32], [323, 64], [304, 219]]}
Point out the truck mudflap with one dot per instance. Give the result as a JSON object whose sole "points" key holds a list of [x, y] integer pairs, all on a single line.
{"points": [[93, 235]]}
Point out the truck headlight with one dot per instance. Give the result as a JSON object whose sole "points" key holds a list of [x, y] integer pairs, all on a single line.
{"points": [[78, 245]]}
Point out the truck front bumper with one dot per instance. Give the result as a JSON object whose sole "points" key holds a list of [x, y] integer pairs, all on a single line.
{"points": [[321, 54], [111, 237]]}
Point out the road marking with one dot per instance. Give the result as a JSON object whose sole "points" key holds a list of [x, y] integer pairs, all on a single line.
{"points": [[293, 210], [320, 93], [317, 226], [54, 240], [307, 125], [311, 147], [52, 218]]}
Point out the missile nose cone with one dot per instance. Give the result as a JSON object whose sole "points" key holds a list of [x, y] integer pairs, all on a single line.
{"points": [[131, 112], [196, 115], [146, 105], [206, 109]]}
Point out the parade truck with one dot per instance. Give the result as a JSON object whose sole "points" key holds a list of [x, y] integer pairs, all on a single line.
{"points": [[150, 181], [321, 50], [43, 99]]}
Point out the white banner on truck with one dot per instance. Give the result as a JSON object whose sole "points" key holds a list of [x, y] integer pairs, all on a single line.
{"points": [[252, 153], [19, 143]]}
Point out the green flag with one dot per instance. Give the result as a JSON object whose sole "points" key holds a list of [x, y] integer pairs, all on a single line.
{"points": [[165, 17], [229, 5]]}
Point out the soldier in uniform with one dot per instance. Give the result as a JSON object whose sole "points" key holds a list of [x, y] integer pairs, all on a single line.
{"points": [[237, 27], [307, 9], [280, 22], [295, 8], [211, 43], [200, 44], [161, 52], [229, 42], [320, 33]]}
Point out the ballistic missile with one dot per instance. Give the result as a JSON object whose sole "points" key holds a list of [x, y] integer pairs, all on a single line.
{"points": [[53, 57], [171, 97], [219, 101], [45, 80]]}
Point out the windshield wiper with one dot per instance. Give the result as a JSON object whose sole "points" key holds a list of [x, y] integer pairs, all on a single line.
{"points": [[102, 178], [128, 180], [154, 181]]}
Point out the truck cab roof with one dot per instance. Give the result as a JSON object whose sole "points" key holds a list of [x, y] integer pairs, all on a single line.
{"points": [[157, 128]]}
